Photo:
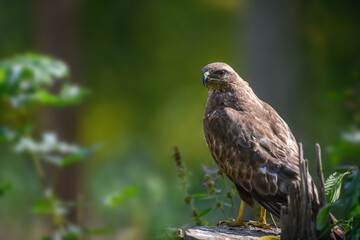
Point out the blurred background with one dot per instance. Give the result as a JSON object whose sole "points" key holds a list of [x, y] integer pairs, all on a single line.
{"points": [[141, 60]]}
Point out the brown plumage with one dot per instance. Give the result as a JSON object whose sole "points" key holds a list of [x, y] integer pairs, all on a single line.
{"points": [[248, 139], [250, 142]]}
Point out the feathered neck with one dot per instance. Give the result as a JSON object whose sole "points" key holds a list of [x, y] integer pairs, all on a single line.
{"points": [[233, 95]]}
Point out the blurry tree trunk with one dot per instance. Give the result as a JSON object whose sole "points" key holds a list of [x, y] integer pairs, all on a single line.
{"points": [[56, 34], [270, 53]]}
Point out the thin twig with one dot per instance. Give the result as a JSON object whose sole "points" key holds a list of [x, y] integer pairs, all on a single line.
{"points": [[231, 198], [272, 219], [38, 169], [221, 208], [320, 176]]}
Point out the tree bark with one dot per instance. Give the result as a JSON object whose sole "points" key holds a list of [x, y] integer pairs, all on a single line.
{"points": [[270, 54], [56, 34]]}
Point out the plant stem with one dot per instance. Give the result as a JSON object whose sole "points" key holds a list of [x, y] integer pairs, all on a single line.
{"points": [[56, 176], [272, 219], [38, 169], [221, 208], [232, 200]]}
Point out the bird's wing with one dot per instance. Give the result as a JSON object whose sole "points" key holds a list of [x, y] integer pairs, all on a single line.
{"points": [[254, 152]]}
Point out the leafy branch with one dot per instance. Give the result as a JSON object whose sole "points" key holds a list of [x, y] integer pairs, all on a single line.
{"points": [[27, 81], [211, 178]]}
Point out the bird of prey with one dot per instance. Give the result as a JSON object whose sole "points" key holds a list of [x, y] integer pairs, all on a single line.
{"points": [[249, 141]]}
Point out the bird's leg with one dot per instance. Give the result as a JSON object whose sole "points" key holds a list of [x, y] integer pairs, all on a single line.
{"points": [[239, 222], [262, 221]]}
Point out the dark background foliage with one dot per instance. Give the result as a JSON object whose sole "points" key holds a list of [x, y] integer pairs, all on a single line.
{"points": [[141, 61]]}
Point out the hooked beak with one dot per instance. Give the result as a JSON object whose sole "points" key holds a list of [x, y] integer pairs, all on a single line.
{"points": [[206, 77]]}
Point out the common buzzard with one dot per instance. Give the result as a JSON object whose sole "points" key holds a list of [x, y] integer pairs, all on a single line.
{"points": [[249, 141]]}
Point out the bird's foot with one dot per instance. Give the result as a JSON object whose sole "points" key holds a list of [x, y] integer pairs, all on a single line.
{"points": [[260, 224], [234, 223]]}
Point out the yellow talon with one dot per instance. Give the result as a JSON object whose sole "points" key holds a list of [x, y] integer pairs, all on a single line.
{"points": [[234, 223], [262, 221], [260, 224], [239, 222]]}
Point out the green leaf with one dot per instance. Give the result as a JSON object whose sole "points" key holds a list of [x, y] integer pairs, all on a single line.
{"points": [[42, 206], [213, 196], [40, 69], [69, 95], [203, 213], [200, 195], [227, 204], [2, 76], [27, 78], [78, 155], [68, 160], [54, 151], [345, 147], [72, 232], [333, 186], [49, 203], [4, 187], [72, 94], [6, 134], [352, 195], [323, 216], [117, 199]]}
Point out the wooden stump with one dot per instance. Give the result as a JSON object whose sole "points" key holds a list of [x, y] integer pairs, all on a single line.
{"points": [[298, 217], [229, 233]]}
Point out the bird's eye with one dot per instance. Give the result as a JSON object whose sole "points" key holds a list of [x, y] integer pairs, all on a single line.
{"points": [[221, 73]]}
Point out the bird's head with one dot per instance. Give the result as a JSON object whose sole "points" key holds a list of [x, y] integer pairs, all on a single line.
{"points": [[219, 76]]}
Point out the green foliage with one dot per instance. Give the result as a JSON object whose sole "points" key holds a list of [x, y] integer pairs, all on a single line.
{"points": [[333, 186], [352, 193], [215, 192], [6, 134], [68, 95], [117, 199], [347, 146], [323, 215], [4, 187], [202, 214], [43, 205], [352, 204], [27, 78], [52, 150]]}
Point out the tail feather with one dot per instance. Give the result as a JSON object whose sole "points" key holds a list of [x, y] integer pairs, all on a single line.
{"points": [[272, 207]]}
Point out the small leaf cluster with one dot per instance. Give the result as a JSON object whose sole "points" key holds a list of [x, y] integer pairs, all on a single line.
{"points": [[346, 147], [350, 201], [220, 195], [118, 198], [27, 81]]}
